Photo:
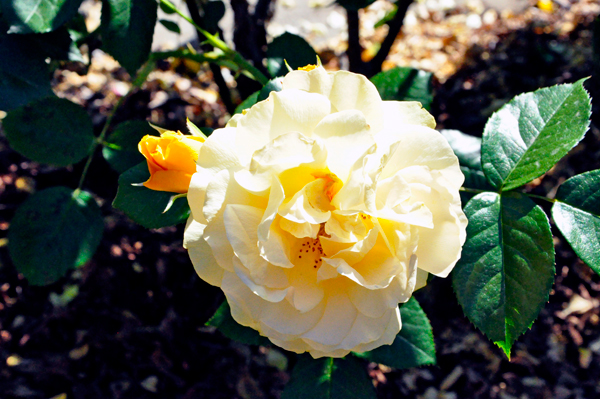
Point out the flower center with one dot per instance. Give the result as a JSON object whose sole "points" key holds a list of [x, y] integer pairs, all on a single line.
{"points": [[310, 250]]}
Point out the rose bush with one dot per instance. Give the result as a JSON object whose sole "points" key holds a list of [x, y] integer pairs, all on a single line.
{"points": [[171, 160], [321, 208]]}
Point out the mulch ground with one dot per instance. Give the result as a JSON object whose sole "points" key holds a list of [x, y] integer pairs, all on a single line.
{"points": [[130, 324]]}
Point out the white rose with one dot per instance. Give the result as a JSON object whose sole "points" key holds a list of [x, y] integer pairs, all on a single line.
{"points": [[321, 208]]}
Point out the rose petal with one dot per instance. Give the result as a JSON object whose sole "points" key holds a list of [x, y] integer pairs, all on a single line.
{"points": [[396, 113], [346, 134], [336, 322], [200, 253]]}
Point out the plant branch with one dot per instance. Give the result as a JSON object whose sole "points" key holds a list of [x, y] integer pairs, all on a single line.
{"points": [[224, 92], [221, 45], [374, 66], [354, 48], [135, 84]]}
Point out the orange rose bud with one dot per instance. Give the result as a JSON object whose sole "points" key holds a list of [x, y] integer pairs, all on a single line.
{"points": [[171, 160]]}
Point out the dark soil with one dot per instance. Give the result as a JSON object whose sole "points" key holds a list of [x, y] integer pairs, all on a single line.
{"points": [[136, 328]]}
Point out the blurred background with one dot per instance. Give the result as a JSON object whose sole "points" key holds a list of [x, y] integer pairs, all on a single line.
{"points": [[130, 323]]}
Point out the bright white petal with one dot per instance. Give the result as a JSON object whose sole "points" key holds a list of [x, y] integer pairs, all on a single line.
{"points": [[396, 113], [346, 135]]}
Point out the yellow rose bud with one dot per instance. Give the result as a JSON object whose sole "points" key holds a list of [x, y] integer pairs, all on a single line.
{"points": [[171, 160]]}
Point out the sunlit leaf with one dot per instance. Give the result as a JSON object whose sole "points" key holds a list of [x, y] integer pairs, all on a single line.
{"points": [[506, 269], [37, 16], [405, 84], [527, 136], [577, 215]]}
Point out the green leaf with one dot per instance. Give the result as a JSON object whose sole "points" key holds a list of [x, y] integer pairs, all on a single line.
{"points": [[327, 378], [54, 230], [291, 48], [527, 136], [51, 130], [413, 346], [467, 148], [214, 10], [127, 28], [170, 25], [231, 329], [468, 151], [145, 206], [354, 5], [24, 76], [506, 270], [577, 215], [121, 150], [247, 103], [389, 15], [273, 85], [198, 131], [37, 16], [405, 84]]}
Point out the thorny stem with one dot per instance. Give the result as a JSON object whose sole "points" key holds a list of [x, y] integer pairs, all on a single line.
{"points": [[137, 82], [221, 45]]}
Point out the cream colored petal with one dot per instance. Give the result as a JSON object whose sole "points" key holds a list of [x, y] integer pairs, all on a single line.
{"points": [[277, 248], [346, 134], [218, 151], [396, 113], [346, 228], [300, 209], [376, 269], [200, 253], [316, 81], [216, 237], [374, 303], [353, 91], [266, 293], [366, 329], [326, 351], [304, 293], [392, 191], [283, 112], [336, 322], [422, 277], [216, 192], [197, 192], [358, 192], [299, 230], [326, 272], [388, 336], [421, 146], [354, 253], [439, 248], [241, 223], [285, 152], [276, 197]]}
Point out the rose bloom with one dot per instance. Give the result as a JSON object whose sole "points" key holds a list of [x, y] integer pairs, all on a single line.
{"points": [[171, 160], [321, 208]]}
